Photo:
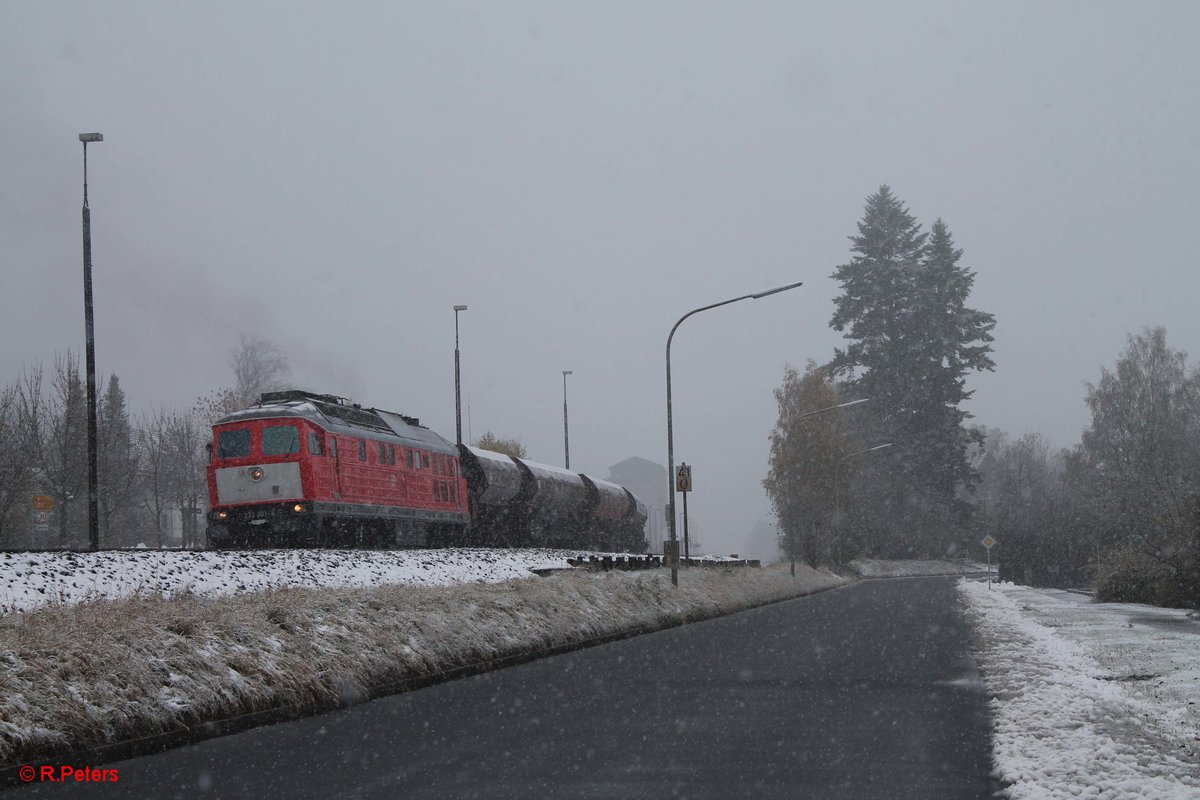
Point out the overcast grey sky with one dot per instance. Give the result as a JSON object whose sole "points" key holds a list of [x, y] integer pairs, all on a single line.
{"points": [[336, 177]]}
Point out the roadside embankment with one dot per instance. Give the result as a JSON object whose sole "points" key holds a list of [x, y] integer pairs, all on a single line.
{"points": [[113, 677]]}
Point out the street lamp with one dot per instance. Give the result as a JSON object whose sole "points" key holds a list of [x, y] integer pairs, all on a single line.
{"points": [[566, 438], [670, 429], [457, 383], [837, 496], [90, 357]]}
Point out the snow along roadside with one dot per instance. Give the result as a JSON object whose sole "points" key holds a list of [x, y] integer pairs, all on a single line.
{"points": [[1070, 719], [77, 677]]}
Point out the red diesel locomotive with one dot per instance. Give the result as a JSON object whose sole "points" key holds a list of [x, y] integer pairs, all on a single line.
{"points": [[305, 469]]}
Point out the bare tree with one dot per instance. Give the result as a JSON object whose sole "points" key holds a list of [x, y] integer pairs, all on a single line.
{"points": [[217, 404], [155, 461], [806, 474], [64, 446], [258, 366], [1142, 457], [185, 437], [509, 447], [17, 459]]}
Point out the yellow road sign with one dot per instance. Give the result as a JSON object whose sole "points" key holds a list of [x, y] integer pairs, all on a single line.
{"points": [[683, 478]]}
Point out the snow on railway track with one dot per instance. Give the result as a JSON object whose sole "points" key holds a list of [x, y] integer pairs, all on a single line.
{"points": [[31, 580]]}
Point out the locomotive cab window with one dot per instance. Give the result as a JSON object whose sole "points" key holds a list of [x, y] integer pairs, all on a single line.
{"points": [[280, 439], [233, 444], [315, 445]]}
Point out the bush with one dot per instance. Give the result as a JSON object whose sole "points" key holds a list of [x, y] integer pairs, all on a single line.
{"points": [[1129, 576]]}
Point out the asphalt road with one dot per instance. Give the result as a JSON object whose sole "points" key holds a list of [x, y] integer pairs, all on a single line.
{"points": [[863, 692]]}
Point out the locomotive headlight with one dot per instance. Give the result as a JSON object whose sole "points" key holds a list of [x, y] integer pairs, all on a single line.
{"points": [[256, 473], [298, 507], [222, 515]]}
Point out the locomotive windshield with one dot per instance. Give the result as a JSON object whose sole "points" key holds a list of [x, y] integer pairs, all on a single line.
{"points": [[233, 444], [280, 439]]}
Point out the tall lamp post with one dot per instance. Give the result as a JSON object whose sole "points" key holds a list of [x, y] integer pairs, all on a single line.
{"points": [[837, 496], [566, 437], [457, 382], [90, 357], [670, 430]]}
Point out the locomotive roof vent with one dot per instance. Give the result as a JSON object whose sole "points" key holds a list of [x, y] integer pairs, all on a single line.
{"points": [[298, 394]]}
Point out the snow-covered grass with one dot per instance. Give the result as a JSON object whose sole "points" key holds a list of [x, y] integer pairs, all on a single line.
{"points": [[34, 580], [1089, 699], [904, 568], [82, 674]]}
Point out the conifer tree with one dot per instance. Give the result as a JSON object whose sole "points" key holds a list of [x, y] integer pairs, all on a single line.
{"points": [[911, 342], [952, 340], [117, 466]]}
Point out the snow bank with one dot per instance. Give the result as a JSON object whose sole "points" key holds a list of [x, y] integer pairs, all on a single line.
{"points": [[77, 676], [1089, 700], [905, 568]]}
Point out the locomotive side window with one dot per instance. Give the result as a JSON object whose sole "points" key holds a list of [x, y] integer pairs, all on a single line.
{"points": [[382, 452], [233, 444], [333, 445], [408, 457], [280, 439], [362, 449], [391, 455], [315, 445], [425, 460]]}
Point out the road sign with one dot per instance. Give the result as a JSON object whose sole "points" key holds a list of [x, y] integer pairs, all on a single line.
{"points": [[988, 541], [43, 502], [683, 478]]}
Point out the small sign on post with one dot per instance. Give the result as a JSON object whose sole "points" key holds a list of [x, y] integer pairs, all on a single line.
{"points": [[43, 504], [987, 542], [683, 483], [683, 478]]}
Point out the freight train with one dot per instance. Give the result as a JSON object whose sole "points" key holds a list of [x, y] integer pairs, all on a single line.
{"points": [[301, 469]]}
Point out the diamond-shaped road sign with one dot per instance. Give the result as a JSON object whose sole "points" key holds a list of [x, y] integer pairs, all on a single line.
{"points": [[988, 541]]}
